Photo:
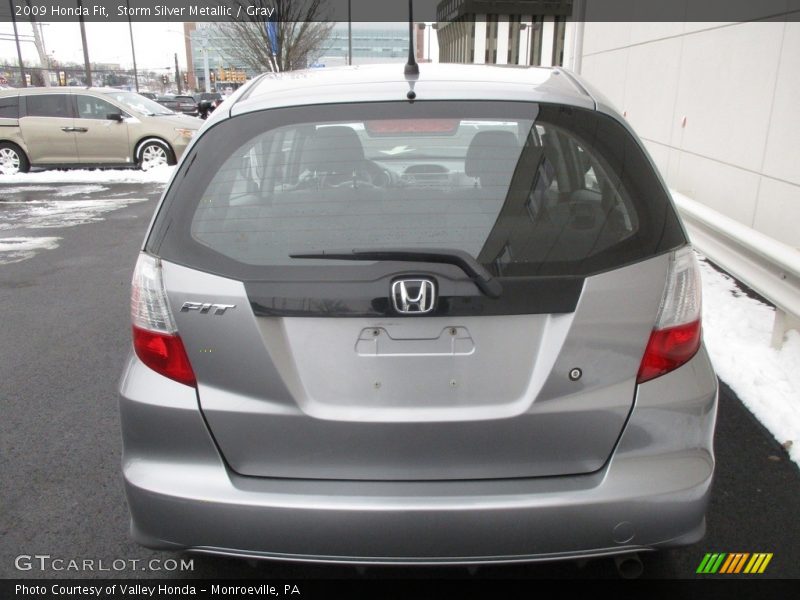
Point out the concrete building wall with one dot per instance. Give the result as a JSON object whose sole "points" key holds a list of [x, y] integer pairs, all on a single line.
{"points": [[718, 106]]}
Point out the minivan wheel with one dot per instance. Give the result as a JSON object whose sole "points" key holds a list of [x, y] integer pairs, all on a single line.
{"points": [[154, 154], [12, 159]]}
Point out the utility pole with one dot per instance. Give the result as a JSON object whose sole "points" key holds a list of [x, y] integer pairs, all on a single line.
{"points": [[177, 74], [16, 39], [87, 66], [133, 50], [349, 35], [38, 41]]}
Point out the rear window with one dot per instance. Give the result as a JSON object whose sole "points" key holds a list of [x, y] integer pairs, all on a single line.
{"points": [[526, 189], [48, 105], [9, 107]]}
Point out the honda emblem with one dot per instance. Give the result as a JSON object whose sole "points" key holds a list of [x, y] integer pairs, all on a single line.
{"points": [[413, 296]]}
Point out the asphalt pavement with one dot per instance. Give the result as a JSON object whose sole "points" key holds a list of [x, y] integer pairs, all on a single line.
{"points": [[64, 335]]}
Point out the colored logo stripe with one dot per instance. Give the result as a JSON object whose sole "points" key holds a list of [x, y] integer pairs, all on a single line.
{"points": [[731, 560], [734, 563], [758, 563], [711, 563]]}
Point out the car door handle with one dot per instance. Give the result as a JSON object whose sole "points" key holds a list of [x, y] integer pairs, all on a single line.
{"points": [[80, 129], [68, 129]]}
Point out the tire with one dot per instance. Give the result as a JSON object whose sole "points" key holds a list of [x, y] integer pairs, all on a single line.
{"points": [[154, 153], [13, 159]]}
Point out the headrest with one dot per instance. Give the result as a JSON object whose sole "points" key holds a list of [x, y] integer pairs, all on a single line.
{"points": [[492, 154], [334, 149]]}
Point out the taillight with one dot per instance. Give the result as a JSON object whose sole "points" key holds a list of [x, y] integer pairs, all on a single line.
{"points": [[676, 336], [155, 336]]}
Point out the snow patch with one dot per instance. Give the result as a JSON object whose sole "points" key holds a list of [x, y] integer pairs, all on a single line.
{"points": [[17, 249], [75, 190], [155, 175], [737, 330], [64, 190], [48, 214], [26, 188]]}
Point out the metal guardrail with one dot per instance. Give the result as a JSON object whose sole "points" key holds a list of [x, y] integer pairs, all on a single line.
{"points": [[770, 267]]}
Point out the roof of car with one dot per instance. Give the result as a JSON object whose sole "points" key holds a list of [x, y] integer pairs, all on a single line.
{"points": [[370, 83]]}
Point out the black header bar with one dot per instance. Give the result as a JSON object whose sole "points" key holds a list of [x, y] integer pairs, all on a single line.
{"points": [[395, 11]]}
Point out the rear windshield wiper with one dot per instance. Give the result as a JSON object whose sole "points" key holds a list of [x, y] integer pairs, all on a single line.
{"points": [[463, 260]]}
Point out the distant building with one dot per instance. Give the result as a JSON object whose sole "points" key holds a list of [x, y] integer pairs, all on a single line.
{"points": [[100, 66], [371, 43], [188, 28]]}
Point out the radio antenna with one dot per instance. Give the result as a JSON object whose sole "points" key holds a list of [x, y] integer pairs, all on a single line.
{"points": [[412, 68]]}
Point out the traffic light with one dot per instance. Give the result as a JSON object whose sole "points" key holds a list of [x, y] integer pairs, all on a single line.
{"points": [[186, 79], [213, 76]]}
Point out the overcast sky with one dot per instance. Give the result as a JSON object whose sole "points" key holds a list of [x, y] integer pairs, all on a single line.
{"points": [[156, 43]]}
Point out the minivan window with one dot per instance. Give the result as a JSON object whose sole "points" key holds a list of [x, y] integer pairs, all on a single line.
{"points": [[48, 105], [9, 107], [139, 103], [90, 107], [526, 190]]}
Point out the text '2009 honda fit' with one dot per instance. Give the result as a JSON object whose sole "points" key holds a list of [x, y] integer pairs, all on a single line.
{"points": [[449, 318]]}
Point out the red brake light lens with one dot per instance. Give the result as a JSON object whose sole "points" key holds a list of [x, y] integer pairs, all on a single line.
{"points": [[412, 126], [164, 353], [668, 349]]}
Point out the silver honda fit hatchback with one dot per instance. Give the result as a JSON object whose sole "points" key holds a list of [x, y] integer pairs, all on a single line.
{"points": [[452, 318]]}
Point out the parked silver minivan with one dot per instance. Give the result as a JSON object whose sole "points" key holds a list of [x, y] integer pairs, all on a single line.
{"points": [[451, 318], [88, 127]]}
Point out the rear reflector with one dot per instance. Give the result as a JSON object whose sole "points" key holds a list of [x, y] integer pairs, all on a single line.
{"points": [[677, 334], [164, 353], [155, 336]]}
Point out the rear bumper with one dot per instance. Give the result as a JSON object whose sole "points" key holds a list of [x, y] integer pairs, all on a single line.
{"points": [[652, 493]]}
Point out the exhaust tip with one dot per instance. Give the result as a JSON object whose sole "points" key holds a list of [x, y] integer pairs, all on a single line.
{"points": [[629, 566]]}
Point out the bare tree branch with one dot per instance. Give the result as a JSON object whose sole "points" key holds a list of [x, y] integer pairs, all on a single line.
{"points": [[302, 33]]}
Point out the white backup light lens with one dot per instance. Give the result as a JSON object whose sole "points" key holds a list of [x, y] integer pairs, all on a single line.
{"points": [[149, 306], [682, 301]]}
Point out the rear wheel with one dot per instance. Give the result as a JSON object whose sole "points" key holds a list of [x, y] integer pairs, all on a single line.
{"points": [[12, 159], [154, 154]]}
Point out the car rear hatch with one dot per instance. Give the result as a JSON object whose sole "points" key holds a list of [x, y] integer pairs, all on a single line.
{"points": [[186, 104], [348, 320]]}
